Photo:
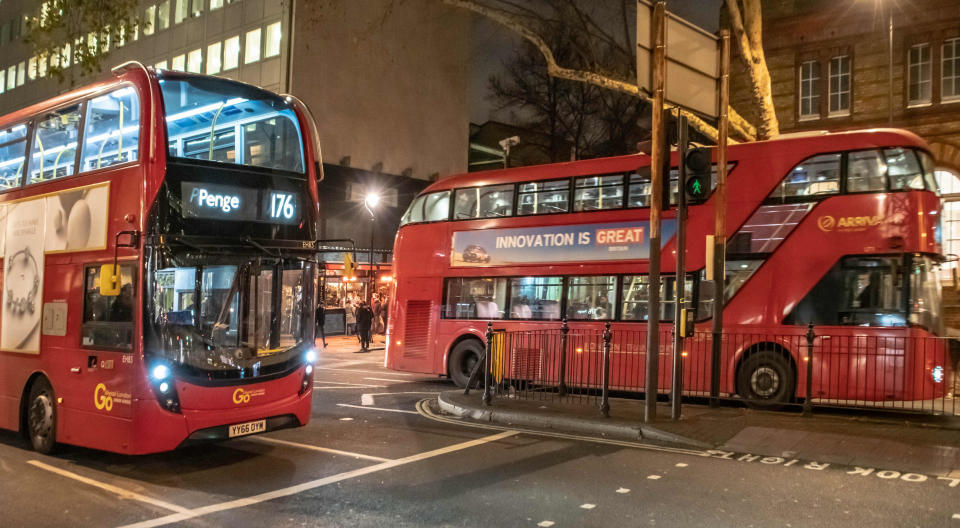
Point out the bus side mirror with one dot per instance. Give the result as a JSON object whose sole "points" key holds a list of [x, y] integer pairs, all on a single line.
{"points": [[109, 280]]}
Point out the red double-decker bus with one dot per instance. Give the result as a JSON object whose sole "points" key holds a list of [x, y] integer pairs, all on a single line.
{"points": [[158, 270], [836, 229]]}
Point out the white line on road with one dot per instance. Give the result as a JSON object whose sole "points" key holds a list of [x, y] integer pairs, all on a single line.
{"points": [[376, 408], [307, 486], [393, 380], [365, 371], [122, 493], [349, 387], [316, 448], [367, 398]]}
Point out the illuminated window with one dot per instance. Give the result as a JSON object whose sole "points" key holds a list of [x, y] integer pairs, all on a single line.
{"points": [[809, 90], [919, 81], [3, 82], [196, 8], [149, 19], [213, 58], [112, 131], [252, 49], [273, 37], [32, 68], [41, 67], [54, 144], [231, 53], [840, 86], [21, 73], [162, 65], [180, 11], [195, 61], [163, 15], [178, 63], [11, 77], [216, 4], [65, 56]]}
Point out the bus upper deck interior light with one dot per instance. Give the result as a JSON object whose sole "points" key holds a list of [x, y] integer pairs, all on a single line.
{"points": [[160, 372]]}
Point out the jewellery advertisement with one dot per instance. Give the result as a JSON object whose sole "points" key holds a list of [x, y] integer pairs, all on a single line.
{"points": [[23, 277], [77, 219]]}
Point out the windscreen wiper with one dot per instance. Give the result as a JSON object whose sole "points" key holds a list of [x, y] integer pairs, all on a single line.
{"points": [[249, 241]]}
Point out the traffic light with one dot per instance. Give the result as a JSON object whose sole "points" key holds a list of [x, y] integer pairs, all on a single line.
{"points": [[699, 168], [349, 268]]}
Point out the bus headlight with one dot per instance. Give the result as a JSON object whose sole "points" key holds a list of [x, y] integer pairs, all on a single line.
{"points": [[160, 372], [161, 379], [937, 374], [310, 356]]}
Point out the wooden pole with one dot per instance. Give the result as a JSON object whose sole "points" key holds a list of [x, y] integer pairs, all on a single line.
{"points": [[657, 151], [720, 218]]}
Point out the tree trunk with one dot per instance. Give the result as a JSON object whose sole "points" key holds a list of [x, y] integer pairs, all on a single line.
{"points": [[748, 30]]}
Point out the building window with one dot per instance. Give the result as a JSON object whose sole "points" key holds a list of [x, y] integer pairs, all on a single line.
{"points": [[809, 90], [21, 73], [180, 11], [840, 86], [65, 56], [11, 77], [216, 4], [162, 65], [3, 81], [196, 8], [149, 19], [163, 15], [231, 53], [273, 37], [213, 58], [195, 61], [178, 63], [951, 70], [252, 49], [41, 67], [918, 75], [32, 68]]}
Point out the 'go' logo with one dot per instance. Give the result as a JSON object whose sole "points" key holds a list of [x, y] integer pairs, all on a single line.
{"points": [[241, 396], [100, 398]]}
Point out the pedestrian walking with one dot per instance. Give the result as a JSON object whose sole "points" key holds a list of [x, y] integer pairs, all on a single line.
{"points": [[321, 319], [351, 317], [364, 322], [376, 307]]}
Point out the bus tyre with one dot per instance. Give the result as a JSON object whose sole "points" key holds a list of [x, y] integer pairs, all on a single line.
{"points": [[42, 417], [766, 379], [463, 360]]}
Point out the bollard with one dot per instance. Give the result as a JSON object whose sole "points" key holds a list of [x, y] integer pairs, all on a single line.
{"points": [[564, 329], [605, 398], [808, 402], [486, 364]]}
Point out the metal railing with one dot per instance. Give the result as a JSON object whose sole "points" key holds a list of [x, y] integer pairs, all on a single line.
{"points": [[895, 371]]}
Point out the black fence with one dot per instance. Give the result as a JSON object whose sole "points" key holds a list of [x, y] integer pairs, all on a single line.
{"points": [[806, 368]]}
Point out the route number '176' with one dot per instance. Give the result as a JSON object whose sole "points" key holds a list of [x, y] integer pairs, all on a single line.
{"points": [[281, 205]]}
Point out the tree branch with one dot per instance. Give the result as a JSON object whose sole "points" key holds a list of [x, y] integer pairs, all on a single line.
{"points": [[509, 21]]}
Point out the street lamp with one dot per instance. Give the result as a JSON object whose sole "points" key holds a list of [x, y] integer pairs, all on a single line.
{"points": [[370, 202]]}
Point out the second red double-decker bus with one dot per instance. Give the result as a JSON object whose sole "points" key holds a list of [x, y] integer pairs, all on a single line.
{"points": [[836, 229], [158, 271]]}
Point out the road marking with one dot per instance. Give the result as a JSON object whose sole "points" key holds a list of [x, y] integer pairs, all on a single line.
{"points": [[956, 515], [682, 464], [365, 371], [545, 524], [345, 387], [427, 413], [623, 490], [313, 484], [122, 493], [588, 506], [269, 440], [653, 477], [393, 380], [367, 398], [346, 419], [376, 408]]}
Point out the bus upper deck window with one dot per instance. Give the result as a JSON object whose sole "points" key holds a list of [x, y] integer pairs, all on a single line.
{"points": [[13, 154], [819, 175], [594, 193], [436, 206], [904, 169], [866, 172], [112, 131], [54, 144], [483, 202]]}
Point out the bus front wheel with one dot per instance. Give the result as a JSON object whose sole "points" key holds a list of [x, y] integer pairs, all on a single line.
{"points": [[766, 378], [463, 359], [42, 417]]}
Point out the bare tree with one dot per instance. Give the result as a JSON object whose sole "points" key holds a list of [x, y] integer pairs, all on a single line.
{"points": [[80, 32], [746, 23], [523, 20]]}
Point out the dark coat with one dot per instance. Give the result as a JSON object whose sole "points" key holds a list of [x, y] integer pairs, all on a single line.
{"points": [[364, 318], [321, 315]]}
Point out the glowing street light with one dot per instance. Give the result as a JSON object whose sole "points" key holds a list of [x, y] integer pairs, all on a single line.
{"points": [[370, 201]]}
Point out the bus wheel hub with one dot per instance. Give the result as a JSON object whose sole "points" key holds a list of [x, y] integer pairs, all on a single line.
{"points": [[764, 382]]}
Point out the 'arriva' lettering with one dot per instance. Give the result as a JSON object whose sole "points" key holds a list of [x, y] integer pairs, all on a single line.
{"points": [[224, 202]]}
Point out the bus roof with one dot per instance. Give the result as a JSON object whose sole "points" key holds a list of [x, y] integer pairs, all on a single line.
{"points": [[801, 144]]}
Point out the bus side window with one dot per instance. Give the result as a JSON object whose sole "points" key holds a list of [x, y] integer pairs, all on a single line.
{"points": [[112, 131], [13, 154], [54, 148], [108, 321], [816, 176]]}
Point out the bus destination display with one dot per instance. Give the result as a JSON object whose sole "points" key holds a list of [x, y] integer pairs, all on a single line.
{"points": [[225, 202]]}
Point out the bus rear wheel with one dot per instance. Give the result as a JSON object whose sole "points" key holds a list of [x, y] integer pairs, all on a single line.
{"points": [[463, 359], [42, 417], [766, 379]]}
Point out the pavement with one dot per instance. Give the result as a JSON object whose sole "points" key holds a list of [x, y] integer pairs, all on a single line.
{"points": [[849, 439]]}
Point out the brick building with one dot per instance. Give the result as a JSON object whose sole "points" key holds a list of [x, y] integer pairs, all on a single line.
{"points": [[836, 65]]}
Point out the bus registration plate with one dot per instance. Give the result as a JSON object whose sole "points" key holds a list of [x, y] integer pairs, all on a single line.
{"points": [[248, 428]]}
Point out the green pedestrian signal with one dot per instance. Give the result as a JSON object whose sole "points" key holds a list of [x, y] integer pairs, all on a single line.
{"points": [[697, 162], [696, 187]]}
